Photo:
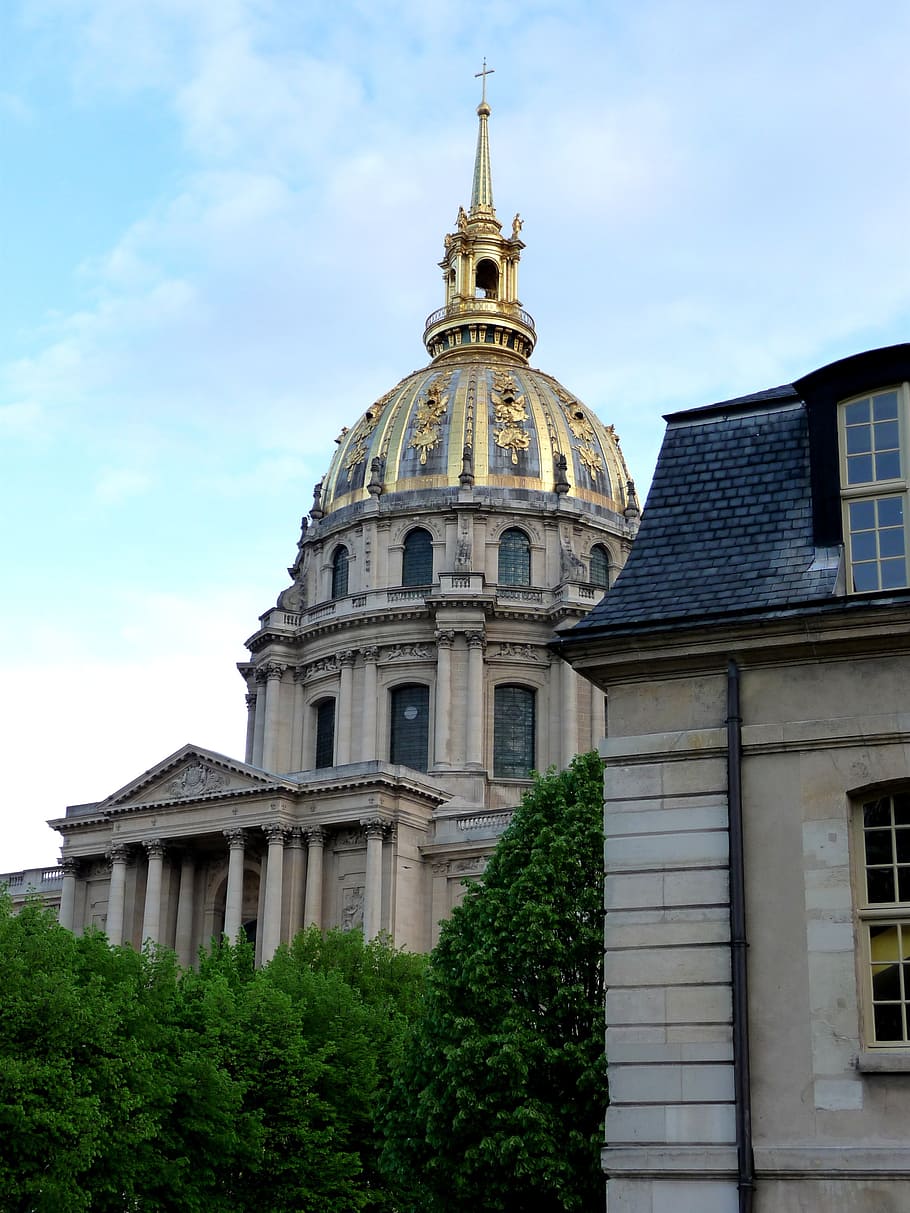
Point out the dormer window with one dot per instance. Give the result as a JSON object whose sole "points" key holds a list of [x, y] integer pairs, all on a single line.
{"points": [[873, 460]]}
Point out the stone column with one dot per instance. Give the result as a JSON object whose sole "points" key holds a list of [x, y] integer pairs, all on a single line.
{"points": [[116, 897], [315, 842], [183, 937], [67, 911], [294, 892], [250, 725], [270, 756], [274, 875], [261, 677], [151, 917], [301, 756], [442, 756], [233, 905], [375, 829], [368, 728], [345, 706], [475, 713], [568, 725]]}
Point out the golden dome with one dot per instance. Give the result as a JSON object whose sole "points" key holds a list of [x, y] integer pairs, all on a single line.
{"points": [[478, 414], [471, 419]]}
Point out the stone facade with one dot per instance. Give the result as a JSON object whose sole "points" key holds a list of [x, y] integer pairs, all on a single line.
{"points": [[764, 1066], [401, 690]]}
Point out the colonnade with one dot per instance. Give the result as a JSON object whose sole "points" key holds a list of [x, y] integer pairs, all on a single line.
{"points": [[290, 898]]}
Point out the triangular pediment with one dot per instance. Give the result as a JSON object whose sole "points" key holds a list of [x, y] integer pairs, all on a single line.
{"points": [[189, 774]]}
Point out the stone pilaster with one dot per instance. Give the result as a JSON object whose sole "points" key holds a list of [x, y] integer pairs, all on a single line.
{"points": [[274, 875], [66, 914], [475, 707], [315, 842], [370, 656], [250, 725], [151, 917], [292, 912], [375, 830], [345, 705], [442, 754], [270, 755], [183, 939], [233, 905], [116, 898]]}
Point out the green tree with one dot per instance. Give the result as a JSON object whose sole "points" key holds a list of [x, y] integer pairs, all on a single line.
{"points": [[127, 1086], [500, 1101]]}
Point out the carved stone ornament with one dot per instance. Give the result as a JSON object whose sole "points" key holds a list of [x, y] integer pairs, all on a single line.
{"points": [[154, 848], [236, 839], [348, 838], [467, 867], [430, 412], [375, 827], [511, 414], [315, 836], [275, 832], [352, 909], [583, 430], [325, 665], [196, 780], [527, 651], [404, 652]]}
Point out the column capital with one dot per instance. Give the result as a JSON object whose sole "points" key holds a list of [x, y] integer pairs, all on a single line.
{"points": [[236, 838], [275, 832], [69, 866], [250, 698], [154, 847], [274, 670], [300, 673], [118, 852], [445, 638], [440, 867], [315, 836], [375, 827], [295, 837], [347, 657], [370, 653], [476, 640]]}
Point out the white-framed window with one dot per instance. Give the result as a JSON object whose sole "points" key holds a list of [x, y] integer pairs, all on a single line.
{"points": [[873, 438], [883, 909]]}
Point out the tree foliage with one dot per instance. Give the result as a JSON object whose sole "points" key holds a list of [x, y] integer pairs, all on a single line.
{"points": [[127, 1085], [499, 1104]]}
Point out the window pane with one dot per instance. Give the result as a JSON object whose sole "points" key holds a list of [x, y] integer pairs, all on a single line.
{"points": [[880, 885], [864, 546], [886, 983], [865, 577], [862, 515], [878, 847], [884, 406], [903, 884], [325, 733], [857, 412], [417, 559], [902, 808], [888, 1022], [340, 573], [887, 465], [877, 813], [859, 469], [887, 436], [513, 732], [859, 439], [902, 845], [514, 558], [891, 511], [410, 731], [894, 574], [600, 566]]}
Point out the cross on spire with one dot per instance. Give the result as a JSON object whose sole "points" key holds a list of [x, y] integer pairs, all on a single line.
{"points": [[486, 72]]}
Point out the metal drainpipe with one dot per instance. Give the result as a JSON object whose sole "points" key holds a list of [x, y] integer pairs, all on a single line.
{"points": [[742, 1084]]}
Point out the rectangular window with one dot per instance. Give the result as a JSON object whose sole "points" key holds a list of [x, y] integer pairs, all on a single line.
{"points": [[873, 447], [884, 913], [325, 733]]}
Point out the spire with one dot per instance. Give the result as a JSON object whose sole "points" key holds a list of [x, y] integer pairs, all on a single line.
{"points": [[480, 272], [482, 193]]}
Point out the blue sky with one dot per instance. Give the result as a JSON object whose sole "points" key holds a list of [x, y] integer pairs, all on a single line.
{"points": [[220, 227]]}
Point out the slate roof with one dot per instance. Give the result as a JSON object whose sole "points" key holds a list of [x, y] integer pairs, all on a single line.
{"points": [[727, 528]]}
